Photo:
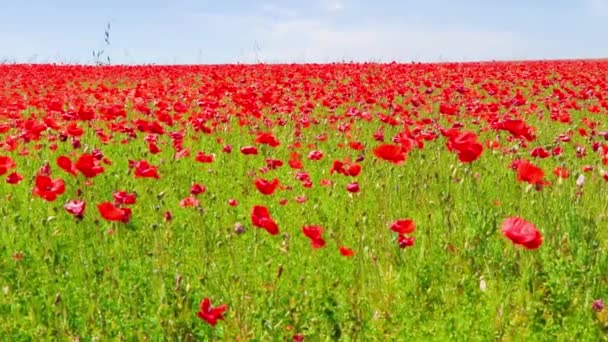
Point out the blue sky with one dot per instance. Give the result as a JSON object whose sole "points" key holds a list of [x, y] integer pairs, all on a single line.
{"points": [[190, 31]]}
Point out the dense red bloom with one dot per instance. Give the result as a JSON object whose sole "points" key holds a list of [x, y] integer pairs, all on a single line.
{"points": [[210, 314], [14, 178], [518, 128], [314, 233], [249, 150], [315, 155], [6, 163], [353, 187], [123, 197], [267, 139], [76, 208], [266, 187], [403, 226], [47, 188], [466, 146], [112, 213], [273, 163], [356, 145], [197, 189], [260, 217], [189, 201], [561, 172], [346, 169], [405, 241], [204, 158], [295, 161], [66, 164], [347, 252], [521, 232], [153, 148], [73, 130], [539, 152], [527, 172], [353, 170], [392, 153], [143, 169], [337, 166], [88, 165]]}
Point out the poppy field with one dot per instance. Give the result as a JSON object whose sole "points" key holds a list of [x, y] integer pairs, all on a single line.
{"points": [[304, 202]]}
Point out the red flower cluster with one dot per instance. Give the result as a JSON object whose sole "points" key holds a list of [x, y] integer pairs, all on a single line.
{"points": [[404, 227], [260, 217], [211, 314], [314, 233], [522, 232]]}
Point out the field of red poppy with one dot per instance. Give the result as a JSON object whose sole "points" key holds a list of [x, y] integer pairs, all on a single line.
{"points": [[304, 202]]}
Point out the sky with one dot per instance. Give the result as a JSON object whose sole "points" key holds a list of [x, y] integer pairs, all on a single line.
{"points": [[314, 31]]}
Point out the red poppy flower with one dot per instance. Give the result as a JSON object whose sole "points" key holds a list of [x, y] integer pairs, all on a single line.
{"points": [[267, 139], [123, 197], [6, 163], [521, 232], [73, 130], [315, 155], [347, 252], [14, 178], [325, 182], [232, 202], [197, 189], [266, 187], [249, 150], [47, 188], [260, 217], [466, 146], [189, 201], [392, 153], [76, 208], [539, 152], [403, 226], [527, 172], [295, 161], [405, 241], [337, 166], [66, 164], [111, 213], [353, 170], [356, 145], [518, 128], [88, 165], [561, 172], [204, 158], [314, 234], [273, 164], [143, 169], [210, 314], [353, 187], [153, 148]]}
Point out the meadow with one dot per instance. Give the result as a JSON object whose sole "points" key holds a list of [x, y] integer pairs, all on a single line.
{"points": [[304, 202]]}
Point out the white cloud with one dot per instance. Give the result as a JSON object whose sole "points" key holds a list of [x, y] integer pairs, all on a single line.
{"points": [[315, 40]]}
